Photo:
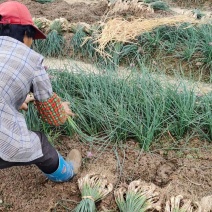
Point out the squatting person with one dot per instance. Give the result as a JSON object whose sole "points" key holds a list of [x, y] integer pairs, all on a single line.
{"points": [[22, 72]]}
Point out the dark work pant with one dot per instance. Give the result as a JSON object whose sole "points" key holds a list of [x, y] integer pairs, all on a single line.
{"points": [[48, 163]]}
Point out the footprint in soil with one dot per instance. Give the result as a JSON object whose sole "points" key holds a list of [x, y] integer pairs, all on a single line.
{"points": [[163, 173]]}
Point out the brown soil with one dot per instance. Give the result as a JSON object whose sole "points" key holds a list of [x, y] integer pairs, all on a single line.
{"points": [[187, 171], [76, 12], [80, 11]]}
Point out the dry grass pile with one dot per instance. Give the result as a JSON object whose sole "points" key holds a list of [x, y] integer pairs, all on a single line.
{"points": [[133, 6], [120, 30]]}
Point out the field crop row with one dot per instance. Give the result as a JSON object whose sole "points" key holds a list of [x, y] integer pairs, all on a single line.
{"points": [[131, 107]]}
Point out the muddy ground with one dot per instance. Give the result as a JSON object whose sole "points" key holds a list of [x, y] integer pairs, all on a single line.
{"points": [[76, 12], [89, 11], [183, 169], [80, 11]]}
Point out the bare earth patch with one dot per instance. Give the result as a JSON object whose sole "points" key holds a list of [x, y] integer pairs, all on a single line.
{"points": [[186, 169], [85, 1], [79, 11], [187, 172]]}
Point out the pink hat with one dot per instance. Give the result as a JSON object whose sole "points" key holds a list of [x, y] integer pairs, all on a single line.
{"points": [[13, 12]]}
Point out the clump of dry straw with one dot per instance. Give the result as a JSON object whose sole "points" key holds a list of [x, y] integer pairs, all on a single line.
{"points": [[120, 30], [130, 6]]}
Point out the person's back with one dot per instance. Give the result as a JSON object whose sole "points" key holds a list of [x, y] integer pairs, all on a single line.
{"points": [[21, 72], [18, 68], [17, 63]]}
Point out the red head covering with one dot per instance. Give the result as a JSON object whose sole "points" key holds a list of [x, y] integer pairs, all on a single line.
{"points": [[13, 12]]}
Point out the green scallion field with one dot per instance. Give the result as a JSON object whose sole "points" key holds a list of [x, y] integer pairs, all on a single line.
{"points": [[138, 76]]}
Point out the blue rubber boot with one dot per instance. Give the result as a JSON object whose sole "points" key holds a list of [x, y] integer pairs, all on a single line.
{"points": [[64, 172]]}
